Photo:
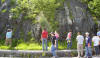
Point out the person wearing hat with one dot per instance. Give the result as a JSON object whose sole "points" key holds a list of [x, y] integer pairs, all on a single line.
{"points": [[8, 37], [88, 42]]}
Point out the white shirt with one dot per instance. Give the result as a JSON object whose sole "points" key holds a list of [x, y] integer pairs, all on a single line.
{"points": [[96, 40], [80, 39]]}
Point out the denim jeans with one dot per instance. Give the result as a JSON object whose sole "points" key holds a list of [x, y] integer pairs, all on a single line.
{"points": [[53, 50], [44, 42], [96, 50], [88, 51], [69, 45], [57, 43]]}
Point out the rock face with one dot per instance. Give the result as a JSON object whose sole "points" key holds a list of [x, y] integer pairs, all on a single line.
{"points": [[73, 15]]}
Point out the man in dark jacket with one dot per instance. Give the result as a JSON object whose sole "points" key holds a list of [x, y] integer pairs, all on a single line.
{"points": [[88, 43]]}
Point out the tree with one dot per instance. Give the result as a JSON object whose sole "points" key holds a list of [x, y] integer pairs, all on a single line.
{"points": [[94, 7], [30, 9]]}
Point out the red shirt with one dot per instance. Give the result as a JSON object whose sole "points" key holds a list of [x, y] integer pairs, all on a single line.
{"points": [[44, 34]]}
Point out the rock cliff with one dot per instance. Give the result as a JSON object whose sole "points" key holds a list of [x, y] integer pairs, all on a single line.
{"points": [[72, 15]]}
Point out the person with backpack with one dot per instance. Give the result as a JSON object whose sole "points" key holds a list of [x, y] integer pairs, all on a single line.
{"points": [[57, 36], [69, 42], [44, 37], [53, 47]]}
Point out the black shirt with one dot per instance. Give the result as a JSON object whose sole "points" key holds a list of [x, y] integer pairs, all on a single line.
{"points": [[53, 39]]}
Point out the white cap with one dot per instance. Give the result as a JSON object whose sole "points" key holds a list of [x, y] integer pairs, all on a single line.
{"points": [[87, 33]]}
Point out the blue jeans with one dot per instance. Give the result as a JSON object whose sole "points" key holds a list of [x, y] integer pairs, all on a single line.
{"points": [[57, 43], [96, 50], [53, 50], [69, 45], [44, 42], [88, 51]]}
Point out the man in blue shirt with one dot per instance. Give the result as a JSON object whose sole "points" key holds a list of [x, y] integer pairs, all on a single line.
{"points": [[8, 36]]}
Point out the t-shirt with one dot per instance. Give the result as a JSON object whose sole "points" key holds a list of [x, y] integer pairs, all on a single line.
{"points": [[98, 33], [80, 39], [69, 36], [96, 40], [57, 35], [9, 34], [44, 34], [53, 39]]}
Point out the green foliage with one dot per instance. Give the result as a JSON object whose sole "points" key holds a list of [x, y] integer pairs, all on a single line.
{"points": [[94, 7], [30, 9], [95, 20], [4, 10], [12, 2], [44, 22], [4, 47], [2, 1]]}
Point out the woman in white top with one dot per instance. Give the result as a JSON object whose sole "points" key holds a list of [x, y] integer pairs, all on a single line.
{"points": [[96, 41], [79, 40]]}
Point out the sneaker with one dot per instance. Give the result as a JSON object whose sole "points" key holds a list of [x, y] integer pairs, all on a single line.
{"points": [[78, 56], [85, 57]]}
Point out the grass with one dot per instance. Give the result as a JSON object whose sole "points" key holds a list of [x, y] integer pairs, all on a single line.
{"points": [[32, 45], [62, 44]]}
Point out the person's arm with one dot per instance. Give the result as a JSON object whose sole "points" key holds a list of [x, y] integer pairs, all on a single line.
{"points": [[89, 42], [41, 37], [92, 39], [47, 34], [76, 38], [6, 35], [55, 42], [83, 38]]}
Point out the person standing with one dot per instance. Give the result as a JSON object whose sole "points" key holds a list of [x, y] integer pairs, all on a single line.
{"points": [[44, 37], [79, 40], [57, 36], [8, 37], [69, 42], [88, 43], [98, 34], [96, 41], [53, 47]]}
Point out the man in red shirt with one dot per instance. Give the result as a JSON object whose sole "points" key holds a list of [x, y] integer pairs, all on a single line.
{"points": [[44, 37]]}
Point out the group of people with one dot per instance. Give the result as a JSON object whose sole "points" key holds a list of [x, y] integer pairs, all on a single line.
{"points": [[54, 40], [80, 40], [95, 39]]}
